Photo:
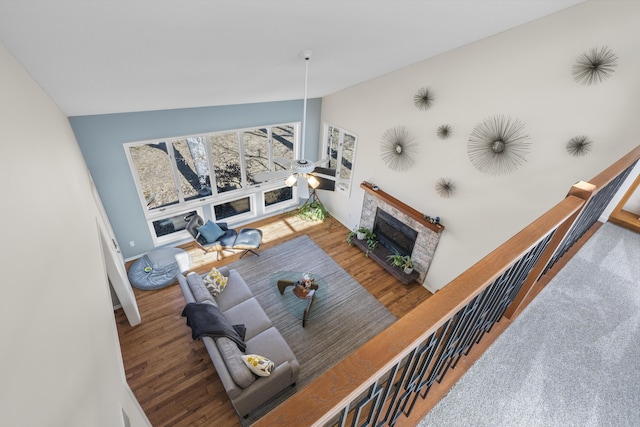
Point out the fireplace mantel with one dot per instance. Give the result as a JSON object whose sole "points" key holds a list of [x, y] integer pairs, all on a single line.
{"points": [[428, 232], [402, 207]]}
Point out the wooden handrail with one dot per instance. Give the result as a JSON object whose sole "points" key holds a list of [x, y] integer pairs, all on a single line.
{"points": [[331, 395], [613, 171], [349, 378]]}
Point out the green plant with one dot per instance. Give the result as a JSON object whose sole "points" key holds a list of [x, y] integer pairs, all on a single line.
{"points": [[402, 261], [368, 234], [313, 211]]}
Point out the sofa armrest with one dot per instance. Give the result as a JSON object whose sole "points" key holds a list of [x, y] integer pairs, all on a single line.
{"points": [[263, 389], [229, 385], [186, 290]]}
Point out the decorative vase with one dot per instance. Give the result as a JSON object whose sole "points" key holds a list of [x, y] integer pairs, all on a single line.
{"points": [[408, 270], [301, 291], [360, 236]]}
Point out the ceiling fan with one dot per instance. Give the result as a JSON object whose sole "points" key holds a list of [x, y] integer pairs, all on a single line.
{"points": [[302, 173]]}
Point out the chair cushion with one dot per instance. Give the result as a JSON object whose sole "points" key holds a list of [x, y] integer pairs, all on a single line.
{"points": [[210, 231], [248, 238]]}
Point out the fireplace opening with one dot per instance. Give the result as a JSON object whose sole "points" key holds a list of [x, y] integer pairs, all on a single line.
{"points": [[394, 234]]}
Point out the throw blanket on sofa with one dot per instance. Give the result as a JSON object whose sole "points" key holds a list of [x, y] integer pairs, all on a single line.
{"points": [[207, 320]]}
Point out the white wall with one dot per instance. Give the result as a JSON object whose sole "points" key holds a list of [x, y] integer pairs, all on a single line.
{"points": [[60, 362], [525, 74]]}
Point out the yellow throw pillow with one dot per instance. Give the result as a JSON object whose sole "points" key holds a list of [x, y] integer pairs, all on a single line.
{"points": [[215, 281], [259, 365]]}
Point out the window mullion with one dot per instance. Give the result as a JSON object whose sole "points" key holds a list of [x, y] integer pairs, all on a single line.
{"points": [[210, 160], [176, 172], [243, 161]]}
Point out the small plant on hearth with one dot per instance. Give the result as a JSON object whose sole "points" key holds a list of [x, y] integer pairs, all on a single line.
{"points": [[360, 233], [402, 261]]}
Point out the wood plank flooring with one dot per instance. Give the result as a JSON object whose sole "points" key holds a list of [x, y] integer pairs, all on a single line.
{"points": [[172, 375]]}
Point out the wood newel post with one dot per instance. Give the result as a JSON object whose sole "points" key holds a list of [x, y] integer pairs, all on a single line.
{"points": [[581, 190]]}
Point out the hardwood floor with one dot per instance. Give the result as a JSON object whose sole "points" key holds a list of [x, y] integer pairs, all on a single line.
{"points": [[172, 375]]}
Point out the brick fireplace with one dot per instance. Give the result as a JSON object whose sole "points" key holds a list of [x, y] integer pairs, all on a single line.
{"points": [[428, 232]]}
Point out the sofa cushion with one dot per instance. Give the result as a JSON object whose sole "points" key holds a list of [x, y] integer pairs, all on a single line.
{"points": [[234, 293], [239, 371], [272, 345], [251, 314], [198, 288], [259, 365]]}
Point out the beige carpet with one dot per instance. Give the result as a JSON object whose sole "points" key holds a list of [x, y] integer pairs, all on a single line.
{"points": [[572, 358], [345, 318]]}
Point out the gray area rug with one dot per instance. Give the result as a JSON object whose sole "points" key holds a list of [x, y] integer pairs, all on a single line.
{"points": [[346, 318], [572, 358]]}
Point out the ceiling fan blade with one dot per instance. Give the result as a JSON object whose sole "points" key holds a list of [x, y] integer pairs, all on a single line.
{"points": [[271, 176], [282, 161], [324, 183], [322, 162]]}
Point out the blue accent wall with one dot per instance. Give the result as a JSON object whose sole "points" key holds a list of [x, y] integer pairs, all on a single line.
{"points": [[101, 139]]}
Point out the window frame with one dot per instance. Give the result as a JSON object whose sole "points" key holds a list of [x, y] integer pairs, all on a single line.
{"points": [[340, 186], [205, 205]]}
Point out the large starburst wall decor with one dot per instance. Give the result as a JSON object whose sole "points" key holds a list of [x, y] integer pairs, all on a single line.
{"points": [[397, 148], [498, 145]]}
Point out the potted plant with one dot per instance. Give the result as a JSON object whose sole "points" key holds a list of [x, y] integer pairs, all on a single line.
{"points": [[361, 233], [402, 261], [313, 211]]}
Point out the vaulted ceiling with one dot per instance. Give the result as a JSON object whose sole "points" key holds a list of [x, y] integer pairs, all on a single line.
{"points": [[109, 56]]}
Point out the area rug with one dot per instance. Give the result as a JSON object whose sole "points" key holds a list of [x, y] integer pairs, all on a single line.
{"points": [[350, 316]]}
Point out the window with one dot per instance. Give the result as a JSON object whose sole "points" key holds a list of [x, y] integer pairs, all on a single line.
{"points": [[278, 195], [338, 148], [174, 176], [172, 224], [232, 209]]}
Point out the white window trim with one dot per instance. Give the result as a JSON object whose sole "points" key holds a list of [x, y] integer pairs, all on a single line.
{"points": [[340, 187], [206, 204]]}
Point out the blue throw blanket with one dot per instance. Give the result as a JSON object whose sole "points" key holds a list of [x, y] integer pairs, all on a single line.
{"points": [[207, 320]]}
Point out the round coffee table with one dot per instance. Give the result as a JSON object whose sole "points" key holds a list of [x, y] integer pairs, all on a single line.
{"points": [[296, 298]]}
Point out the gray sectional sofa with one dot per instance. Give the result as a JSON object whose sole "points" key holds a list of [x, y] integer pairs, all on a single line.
{"points": [[246, 390]]}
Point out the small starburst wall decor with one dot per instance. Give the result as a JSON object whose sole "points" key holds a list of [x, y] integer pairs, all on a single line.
{"points": [[397, 148], [445, 187], [595, 66], [444, 131], [423, 99], [579, 145]]}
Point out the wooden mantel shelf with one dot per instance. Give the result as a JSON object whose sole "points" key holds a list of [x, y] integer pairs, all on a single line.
{"points": [[402, 207]]}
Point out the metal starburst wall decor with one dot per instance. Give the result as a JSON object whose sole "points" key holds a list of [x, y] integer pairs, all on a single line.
{"points": [[444, 131], [595, 66], [445, 187], [423, 99], [397, 148], [498, 145], [579, 145]]}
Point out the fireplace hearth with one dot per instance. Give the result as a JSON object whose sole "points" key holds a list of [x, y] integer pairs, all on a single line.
{"points": [[400, 228]]}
